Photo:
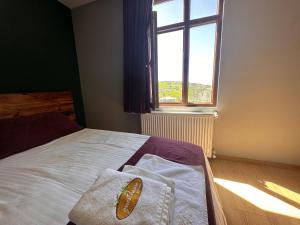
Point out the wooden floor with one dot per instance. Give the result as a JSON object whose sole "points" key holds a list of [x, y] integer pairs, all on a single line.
{"points": [[254, 194]]}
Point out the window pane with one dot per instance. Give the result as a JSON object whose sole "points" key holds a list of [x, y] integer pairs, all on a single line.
{"points": [[201, 64], [203, 8], [169, 12], [170, 54]]}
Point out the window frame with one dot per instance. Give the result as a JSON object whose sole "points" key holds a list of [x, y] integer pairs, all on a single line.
{"points": [[185, 27]]}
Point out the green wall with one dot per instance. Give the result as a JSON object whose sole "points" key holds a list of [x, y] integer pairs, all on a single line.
{"points": [[37, 50]]}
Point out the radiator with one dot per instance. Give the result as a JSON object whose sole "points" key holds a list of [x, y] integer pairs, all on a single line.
{"points": [[194, 128]]}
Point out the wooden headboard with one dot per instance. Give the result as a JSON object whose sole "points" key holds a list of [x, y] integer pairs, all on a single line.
{"points": [[14, 105]]}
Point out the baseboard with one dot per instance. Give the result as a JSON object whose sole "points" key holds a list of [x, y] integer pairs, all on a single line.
{"points": [[259, 162]]}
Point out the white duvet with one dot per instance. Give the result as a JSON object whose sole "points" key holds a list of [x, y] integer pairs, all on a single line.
{"points": [[40, 186]]}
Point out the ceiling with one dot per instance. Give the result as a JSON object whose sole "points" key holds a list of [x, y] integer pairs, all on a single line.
{"points": [[75, 3]]}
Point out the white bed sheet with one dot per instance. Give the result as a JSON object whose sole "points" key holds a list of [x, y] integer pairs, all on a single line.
{"points": [[40, 186]]}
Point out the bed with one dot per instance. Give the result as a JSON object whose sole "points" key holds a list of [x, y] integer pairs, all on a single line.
{"points": [[48, 161]]}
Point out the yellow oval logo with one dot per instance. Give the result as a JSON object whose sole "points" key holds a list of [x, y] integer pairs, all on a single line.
{"points": [[128, 198]]}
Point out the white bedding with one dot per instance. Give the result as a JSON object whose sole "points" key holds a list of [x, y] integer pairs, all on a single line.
{"points": [[40, 186]]}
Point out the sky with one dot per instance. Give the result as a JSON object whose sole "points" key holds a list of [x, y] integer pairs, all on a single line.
{"points": [[202, 42]]}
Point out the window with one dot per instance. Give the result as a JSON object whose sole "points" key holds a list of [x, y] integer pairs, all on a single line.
{"points": [[188, 37]]}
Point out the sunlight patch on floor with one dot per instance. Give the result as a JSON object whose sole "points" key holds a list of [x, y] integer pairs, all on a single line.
{"points": [[259, 198], [291, 195]]}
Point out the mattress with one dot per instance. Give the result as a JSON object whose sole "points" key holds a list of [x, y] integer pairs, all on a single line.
{"points": [[41, 185]]}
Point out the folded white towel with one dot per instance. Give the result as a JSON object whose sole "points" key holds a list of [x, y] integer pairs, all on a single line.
{"points": [[147, 173], [190, 206], [155, 176], [122, 198]]}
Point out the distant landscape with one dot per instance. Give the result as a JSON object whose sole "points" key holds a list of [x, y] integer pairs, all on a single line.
{"points": [[171, 91]]}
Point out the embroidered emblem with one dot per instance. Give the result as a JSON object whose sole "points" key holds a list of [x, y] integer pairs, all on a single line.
{"points": [[128, 198]]}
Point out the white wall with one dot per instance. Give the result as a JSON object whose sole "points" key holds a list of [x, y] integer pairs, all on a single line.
{"points": [[259, 86]]}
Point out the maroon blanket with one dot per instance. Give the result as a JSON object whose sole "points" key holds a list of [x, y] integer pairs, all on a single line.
{"points": [[180, 152]]}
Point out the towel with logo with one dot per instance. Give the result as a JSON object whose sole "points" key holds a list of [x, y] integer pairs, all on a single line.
{"points": [[122, 198], [155, 176]]}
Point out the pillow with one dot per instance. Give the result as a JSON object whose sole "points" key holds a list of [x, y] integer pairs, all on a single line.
{"points": [[23, 133]]}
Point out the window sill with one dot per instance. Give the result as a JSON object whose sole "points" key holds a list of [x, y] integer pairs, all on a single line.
{"points": [[187, 110]]}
